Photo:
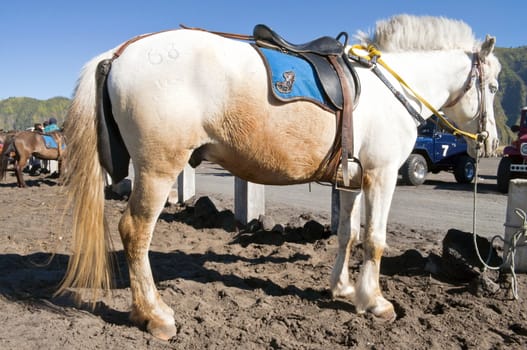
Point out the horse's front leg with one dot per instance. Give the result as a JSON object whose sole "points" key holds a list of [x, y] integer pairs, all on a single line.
{"points": [[347, 232], [61, 167], [379, 186], [136, 227]]}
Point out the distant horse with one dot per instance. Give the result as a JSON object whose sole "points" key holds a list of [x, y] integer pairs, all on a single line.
{"points": [[2, 141], [25, 144], [189, 93], [4, 137]]}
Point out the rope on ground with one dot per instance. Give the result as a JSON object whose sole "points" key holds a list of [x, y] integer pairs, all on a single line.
{"points": [[509, 259]]}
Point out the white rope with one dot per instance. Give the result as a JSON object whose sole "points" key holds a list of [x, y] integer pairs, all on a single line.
{"points": [[511, 254], [509, 260]]}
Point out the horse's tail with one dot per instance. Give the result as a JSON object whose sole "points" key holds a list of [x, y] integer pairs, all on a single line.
{"points": [[4, 161], [90, 263]]}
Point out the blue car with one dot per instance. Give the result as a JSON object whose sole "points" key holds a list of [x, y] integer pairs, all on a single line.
{"points": [[437, 150]]}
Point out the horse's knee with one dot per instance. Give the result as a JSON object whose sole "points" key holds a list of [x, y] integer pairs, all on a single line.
{"points": [[373, 253], [125, 225]]}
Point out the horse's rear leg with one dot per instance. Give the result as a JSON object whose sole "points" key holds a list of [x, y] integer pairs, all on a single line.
{"points": [[148, 197], [19, 165], [348, 232]]}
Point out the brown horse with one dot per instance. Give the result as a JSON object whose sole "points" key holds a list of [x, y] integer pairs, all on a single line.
{"points": [[25, 144], [4, 138]]}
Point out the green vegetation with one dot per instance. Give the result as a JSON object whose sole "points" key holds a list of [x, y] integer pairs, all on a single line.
{"points": [[18, 113], [513, 89], [24, 112]]}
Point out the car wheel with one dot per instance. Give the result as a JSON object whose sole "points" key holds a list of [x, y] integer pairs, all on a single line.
{"points": [[465, 170], [504, 174], [414, 170]]}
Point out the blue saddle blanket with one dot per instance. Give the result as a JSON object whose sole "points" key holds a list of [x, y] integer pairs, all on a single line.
{"points": [[50, 142], [293, 77]]}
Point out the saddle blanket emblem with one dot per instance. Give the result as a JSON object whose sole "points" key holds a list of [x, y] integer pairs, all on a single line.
{"points": [[292, 77], [50, 142]]}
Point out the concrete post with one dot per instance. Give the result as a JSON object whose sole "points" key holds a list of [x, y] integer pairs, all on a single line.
{"points": [[249, 200], [186, 184], [517, 199]]}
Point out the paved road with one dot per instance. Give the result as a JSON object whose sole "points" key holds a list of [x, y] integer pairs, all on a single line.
{"points": [[440, 203]]}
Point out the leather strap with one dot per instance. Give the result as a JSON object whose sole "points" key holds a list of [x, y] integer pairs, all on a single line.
{"points": [[224, 34], [121, 48], [347, 119]]}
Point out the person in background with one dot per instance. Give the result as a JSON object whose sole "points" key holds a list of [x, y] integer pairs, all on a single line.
{"points": [[38, 128], [52, 125], [35, 163]]}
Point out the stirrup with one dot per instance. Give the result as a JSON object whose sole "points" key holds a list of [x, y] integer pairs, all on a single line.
{"points": [[344, 182]]}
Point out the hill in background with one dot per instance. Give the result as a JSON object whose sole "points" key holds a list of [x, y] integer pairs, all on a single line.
{"points": [[24, 112], [512, 95], [18, 113]]}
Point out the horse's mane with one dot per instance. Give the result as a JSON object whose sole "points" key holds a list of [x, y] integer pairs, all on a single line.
{"points": [[406, 32]]}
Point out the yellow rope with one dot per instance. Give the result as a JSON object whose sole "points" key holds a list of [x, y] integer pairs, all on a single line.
{"points": [[373, 52]]}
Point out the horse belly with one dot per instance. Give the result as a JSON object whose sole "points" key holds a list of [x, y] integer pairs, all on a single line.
{"points": [[269, 170], [275, 144]]}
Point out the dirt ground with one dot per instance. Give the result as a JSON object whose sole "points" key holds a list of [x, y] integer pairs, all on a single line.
{"points": [[235, 289]]}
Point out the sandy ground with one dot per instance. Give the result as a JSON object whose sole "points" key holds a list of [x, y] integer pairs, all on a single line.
{"points": [[234, 289]]}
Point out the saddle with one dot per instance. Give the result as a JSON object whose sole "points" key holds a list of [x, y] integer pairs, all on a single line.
{"points": [[341, 85], [53, 141], [323, 46]]}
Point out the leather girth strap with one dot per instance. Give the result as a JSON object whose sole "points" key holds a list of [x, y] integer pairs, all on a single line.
{"points": [[342, 147], [347, 117]]}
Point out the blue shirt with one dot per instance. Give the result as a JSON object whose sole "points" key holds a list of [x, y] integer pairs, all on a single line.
{"points": [[51, 127]]}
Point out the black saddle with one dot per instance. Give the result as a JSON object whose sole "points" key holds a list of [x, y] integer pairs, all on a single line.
{"points": [[318, 53], [323, 46]]}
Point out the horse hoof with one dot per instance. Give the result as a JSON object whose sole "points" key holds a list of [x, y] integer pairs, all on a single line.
{"points": [[347, 292], [384, 313], [161, 331]]}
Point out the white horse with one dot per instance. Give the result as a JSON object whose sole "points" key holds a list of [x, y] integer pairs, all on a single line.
{"points": [[178, 91]]}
